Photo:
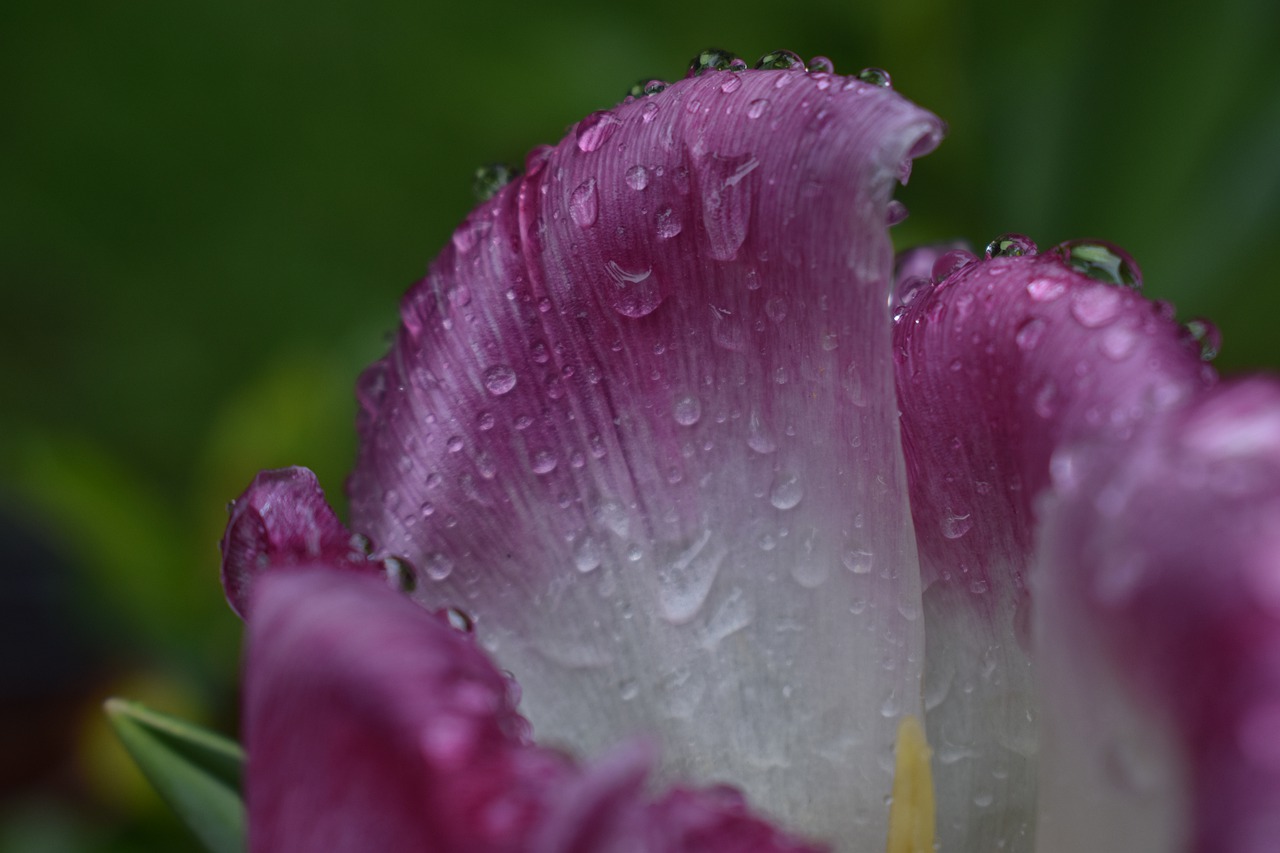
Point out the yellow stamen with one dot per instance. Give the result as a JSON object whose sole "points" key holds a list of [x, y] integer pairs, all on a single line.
{"points": [[911, 821]]}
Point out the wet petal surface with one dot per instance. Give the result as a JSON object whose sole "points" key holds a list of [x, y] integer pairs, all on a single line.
{"points": [[640, 419], [998, 366], [373, 724]]}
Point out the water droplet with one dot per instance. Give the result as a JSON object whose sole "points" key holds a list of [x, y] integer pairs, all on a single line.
{"points": [[786, 492], [712, 59], [759, 438], [1095, 306], [427, 509], [628, 690], [544, 462], [438, 566], [731, 84], [669, 224], [584, 203], [1206, 336], [1029, 334], [896, 212], [950, 263], [858, 561], [637, 293], [588, 556], [809, 573], [780, 60], [955, 525], [756, 108], [454, 443], [822, 65], [400, 574], [595, 130], [649, 113], [688, 410], [1102, 261], [1045, 289], [776, 309], [637, 177], [485, 421], [686, 577], [499, 379], [360, 544], [645, 88], [876, 77], [1011, 246], [1118, 342], [1046, 400], [459, 620]]}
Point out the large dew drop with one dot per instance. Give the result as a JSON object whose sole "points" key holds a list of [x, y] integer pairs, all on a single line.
{"points": [[636, 293], [1102, 261], [499, 380]]}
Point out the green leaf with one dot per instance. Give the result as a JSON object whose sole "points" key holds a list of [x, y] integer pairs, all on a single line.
{"points": [[197, 771]]}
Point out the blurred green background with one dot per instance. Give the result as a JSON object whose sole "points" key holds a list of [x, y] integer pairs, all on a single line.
{"points": [[209, 211]]}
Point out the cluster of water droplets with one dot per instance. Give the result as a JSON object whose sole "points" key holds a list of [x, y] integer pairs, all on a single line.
{"points": [[403, 576], [715, 59]]}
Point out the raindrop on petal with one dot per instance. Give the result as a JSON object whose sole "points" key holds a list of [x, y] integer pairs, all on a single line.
{"points": [[1095, 306], [1029, 334], [438, 566], [780, 60], [400, 574], [711, 59], [786, 492], [584, 203], [858, 561], [955, 525], [637, 293], [1101, 260], [595, 130], [1206, 336], [951, 263], [687, 411], [499, 380], [459, 620], [645, 88], [876, 77], [1011, 246], [637, 177], [588, 556], [668, 222]]}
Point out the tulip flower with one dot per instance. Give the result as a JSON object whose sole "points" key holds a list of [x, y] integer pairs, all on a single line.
{"points": [[665, 435]]}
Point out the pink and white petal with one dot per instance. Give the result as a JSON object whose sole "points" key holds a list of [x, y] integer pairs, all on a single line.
{"points": [[640, 418], [998, 366], [373, 724], [1158, 621], [282, 520]]}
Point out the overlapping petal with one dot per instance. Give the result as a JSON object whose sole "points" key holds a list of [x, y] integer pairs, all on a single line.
{"points": [[373, 724], [640, 417], [1000, 365], [1159, 634]]}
